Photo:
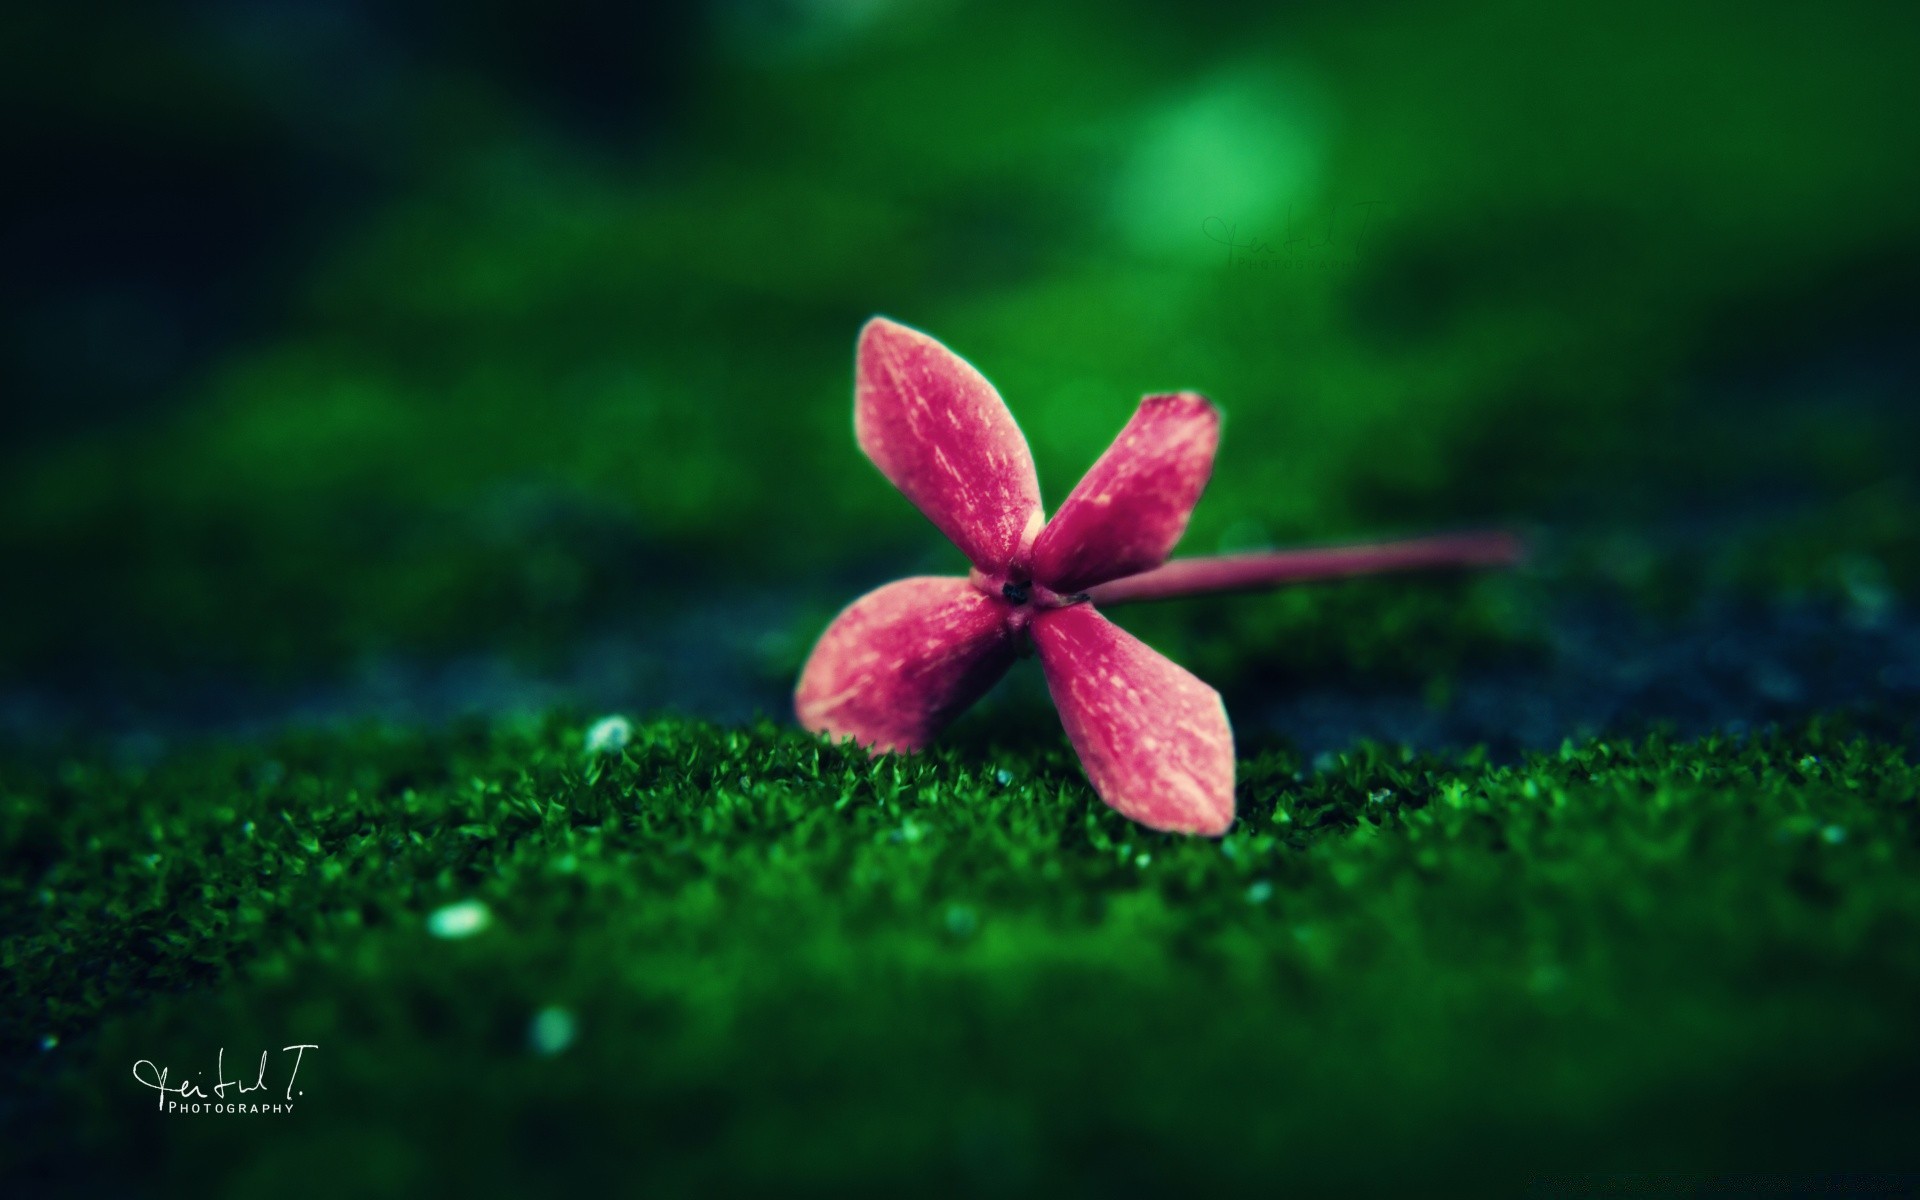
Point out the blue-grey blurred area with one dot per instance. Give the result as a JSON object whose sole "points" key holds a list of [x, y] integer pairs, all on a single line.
{"points": [[346, 335]]}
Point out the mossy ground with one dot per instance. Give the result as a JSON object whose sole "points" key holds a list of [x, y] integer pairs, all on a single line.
{"points": [[789, 965]]}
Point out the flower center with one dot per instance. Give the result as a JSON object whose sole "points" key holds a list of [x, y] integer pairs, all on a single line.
{"points": [[1024, 594]]}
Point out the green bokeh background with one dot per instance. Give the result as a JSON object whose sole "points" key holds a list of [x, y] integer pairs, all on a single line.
{"points": [[491, 327]]}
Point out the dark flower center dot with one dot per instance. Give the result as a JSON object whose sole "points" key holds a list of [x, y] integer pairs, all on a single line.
{"points": [[1016, 593]]}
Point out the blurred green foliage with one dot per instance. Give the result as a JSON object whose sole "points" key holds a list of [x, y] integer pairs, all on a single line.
{"points": [[1600, 266], [789, 966]]}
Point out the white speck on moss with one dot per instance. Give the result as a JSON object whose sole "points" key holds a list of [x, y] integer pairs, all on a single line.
{"points": [[609, 735], [460, 920], [1004, 776], [551, 1031], [909, 832]]}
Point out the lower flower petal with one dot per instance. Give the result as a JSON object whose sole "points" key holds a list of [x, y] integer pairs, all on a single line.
{"points": [[902, 661], [1154, 739]]}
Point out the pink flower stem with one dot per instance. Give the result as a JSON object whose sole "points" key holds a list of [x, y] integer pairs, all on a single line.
{"points": [[1251, 572]]}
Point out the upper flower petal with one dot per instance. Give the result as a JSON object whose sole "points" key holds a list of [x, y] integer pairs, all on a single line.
{"points": [[938, 430], [1129, 511], [904, 660], [1153, 738]]}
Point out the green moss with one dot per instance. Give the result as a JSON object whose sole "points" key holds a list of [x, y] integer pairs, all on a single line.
{"points": [[787, 964]]}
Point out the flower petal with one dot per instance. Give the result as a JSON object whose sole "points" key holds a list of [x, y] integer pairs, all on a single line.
{"points": [[940, 432], [1154, 739], [1129, 511], [902, 661]]}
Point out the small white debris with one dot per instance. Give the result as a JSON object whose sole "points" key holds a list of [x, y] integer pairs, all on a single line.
{"points": [[460, 920], [909, 832], [609, 735], [1259, 892], [1833, 835], [1004, 776], [1142, 859], [1380, 797], [551, 1031]]}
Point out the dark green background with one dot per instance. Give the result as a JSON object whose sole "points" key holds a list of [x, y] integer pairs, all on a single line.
{"points": [[344, 330]]}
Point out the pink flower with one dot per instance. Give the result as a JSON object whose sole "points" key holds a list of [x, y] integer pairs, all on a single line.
{"points": [[901, 662]]}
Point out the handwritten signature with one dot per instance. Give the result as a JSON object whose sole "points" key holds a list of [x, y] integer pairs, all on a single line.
{"points": [[188, 1090]]}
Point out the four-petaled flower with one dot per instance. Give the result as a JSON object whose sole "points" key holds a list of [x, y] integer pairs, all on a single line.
{"points": [[901, 662]]}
